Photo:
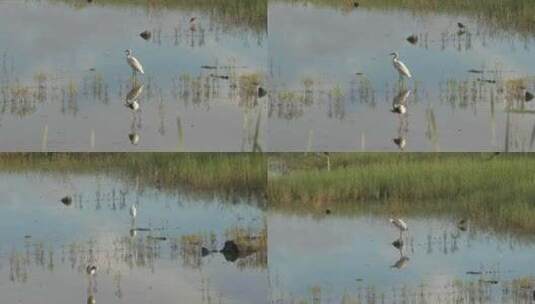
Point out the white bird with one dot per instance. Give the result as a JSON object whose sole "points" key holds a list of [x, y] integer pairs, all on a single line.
{"points": [[400, 224], [400, 66], [133, 62], [133, 211]]}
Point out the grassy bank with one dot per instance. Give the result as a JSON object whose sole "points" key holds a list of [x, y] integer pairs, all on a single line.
{"points": [[234, 13], [516, 15], [195, 171], [497, 189]]}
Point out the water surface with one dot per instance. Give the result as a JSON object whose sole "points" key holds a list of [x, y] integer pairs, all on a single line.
{"points": [[64, 77], [45, 246], [334, 84], [351, 259]]}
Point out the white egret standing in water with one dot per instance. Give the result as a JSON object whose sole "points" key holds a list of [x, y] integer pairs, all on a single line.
{"points": [[400, 67], [134, 63], [400, 224]]}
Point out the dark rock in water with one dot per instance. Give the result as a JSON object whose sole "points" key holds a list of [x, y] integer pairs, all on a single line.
{"points": [[460, 25], [89, 1], [413, 39], [328, 211], [230, 251], [529, 96], [261, 92], [489, 281], [91, 299], [398, 243], [355, 4], [67, 200], [204, 251], [146, 35]]}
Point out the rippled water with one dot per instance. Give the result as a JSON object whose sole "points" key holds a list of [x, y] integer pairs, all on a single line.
{"points": [[334, 84], [46, 246], [351, 259], [64, 77]]}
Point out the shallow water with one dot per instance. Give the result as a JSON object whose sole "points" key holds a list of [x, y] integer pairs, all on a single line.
{"points": [[332, 259], [320, 103], [46, 246], [65, 79]]}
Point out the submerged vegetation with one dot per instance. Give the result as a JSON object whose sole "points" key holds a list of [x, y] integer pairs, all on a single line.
{"points": [[490, 188], [195, 171]]}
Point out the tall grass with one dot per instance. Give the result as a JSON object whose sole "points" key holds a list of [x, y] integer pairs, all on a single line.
{"points": [[495, 189], [516, 15], [251, 14], [197, 171]]}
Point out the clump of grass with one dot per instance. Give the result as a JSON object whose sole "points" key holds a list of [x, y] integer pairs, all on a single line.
{"points": [[248, 84], [195, 171], [488, 187]]}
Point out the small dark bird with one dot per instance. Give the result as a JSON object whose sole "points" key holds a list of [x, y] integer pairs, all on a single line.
{"points": [[192, 19], [460, 25], [355, 4], [89, 1], [67, 200], [413, 39], [528, 96], [146, 35], [327, 211]]}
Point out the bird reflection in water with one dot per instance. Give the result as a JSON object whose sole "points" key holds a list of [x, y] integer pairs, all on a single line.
{"points": [[399, 106]]}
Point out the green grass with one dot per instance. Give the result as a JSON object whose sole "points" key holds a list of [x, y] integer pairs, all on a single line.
{"points": [[196, 171], [493, 189], [515, 15], [251, 14]]}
